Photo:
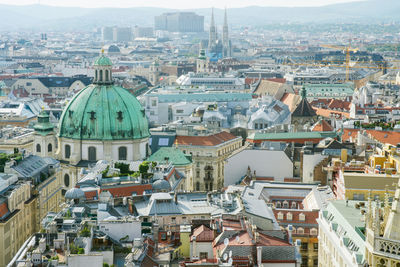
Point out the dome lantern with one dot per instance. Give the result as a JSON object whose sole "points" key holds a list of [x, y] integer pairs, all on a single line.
{"points": [[102, 70]]}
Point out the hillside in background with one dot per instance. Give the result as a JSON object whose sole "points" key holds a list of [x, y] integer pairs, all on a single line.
{"points": [[45, 18]]}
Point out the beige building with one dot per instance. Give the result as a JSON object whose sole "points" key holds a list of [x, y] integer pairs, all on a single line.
{"points": [[17, 218], [383, 232], [208, 156]]}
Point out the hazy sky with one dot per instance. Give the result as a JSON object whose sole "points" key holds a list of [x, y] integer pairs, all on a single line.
{"points": [[178, 4]]}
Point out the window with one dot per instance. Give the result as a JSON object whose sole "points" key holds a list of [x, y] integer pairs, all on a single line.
{"points": [[107, 76], [300, 231], [67, 151], [38, 149], [95, 75], [302, 217], [304, 245], [179, 111], [294, 205], [101, 75], [197, 186], [203, 255], [313, 231], [278, 204], [280, 216], [92, 153], [163, 236], [122, 151], [315, 262], [163, 142], [285, 204], [315, 245], [66, 180], [49, 148], [153, 103], [289, 216]]}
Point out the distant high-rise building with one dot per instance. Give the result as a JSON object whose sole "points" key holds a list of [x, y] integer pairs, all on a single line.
{"points": [[107, 33], [122, 34], [141, 32], [179, 22]]}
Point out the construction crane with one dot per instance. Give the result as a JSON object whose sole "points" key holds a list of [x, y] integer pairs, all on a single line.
{"points": [[346, 49]]}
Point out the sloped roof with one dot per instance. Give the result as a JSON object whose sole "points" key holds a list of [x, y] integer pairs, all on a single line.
{"points": [[211, 140], [304, 109], [174, 155], [3, 210], [203, 234], [322, 126]]}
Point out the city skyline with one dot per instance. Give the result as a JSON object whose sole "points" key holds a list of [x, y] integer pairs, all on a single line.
{"points": [[176, 4]]}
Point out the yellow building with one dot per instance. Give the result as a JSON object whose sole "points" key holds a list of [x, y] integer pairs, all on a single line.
{"points": [[208, 156], [184, 249], [17, 219]]}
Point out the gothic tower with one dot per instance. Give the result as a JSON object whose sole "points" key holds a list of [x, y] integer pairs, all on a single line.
{"points": [[213, 33], [225, 38]]}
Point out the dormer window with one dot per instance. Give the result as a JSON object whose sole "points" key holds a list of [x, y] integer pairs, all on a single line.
{"points": [[302, 217]]}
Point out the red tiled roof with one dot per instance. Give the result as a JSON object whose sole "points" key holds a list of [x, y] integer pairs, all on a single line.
{"points": [[384, 137], [203, 234], [310, 216], [322, 126], [327, 112], [211, 140], [339, 104], [125, 191], [91, 194], [3, 209], [347, 133]]}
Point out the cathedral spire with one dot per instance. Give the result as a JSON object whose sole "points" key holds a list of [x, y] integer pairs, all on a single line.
{"points": [[213, 33], [225, 37]]}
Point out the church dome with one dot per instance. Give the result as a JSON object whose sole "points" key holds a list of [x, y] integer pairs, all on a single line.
{"points": [[103, 111], [102, 61], [161, 185], [75, 193]]}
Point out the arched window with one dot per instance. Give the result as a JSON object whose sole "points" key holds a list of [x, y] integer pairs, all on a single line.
{"points": [[67, 151], [122, 152], [101, 76], [95, 75], [107, 78], [300, 231], [38, 149], [197, 186], [49, 148], [66, 180], [92, 153]]}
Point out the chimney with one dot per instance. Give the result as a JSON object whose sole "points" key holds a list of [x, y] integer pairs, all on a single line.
{"points": [[290, 230], [259, 256]]}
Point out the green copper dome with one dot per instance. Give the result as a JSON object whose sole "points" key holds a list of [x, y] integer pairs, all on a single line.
{"points": [[102, 61], [103, 112]]}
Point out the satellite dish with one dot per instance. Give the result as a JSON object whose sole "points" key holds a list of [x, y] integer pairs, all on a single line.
{"points": [[230, 253], [225, 256], [226, 242], [230, 261]]}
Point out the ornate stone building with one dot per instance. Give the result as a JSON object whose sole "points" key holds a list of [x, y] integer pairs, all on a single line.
{"points": [[383, 232], [102, 121]]}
